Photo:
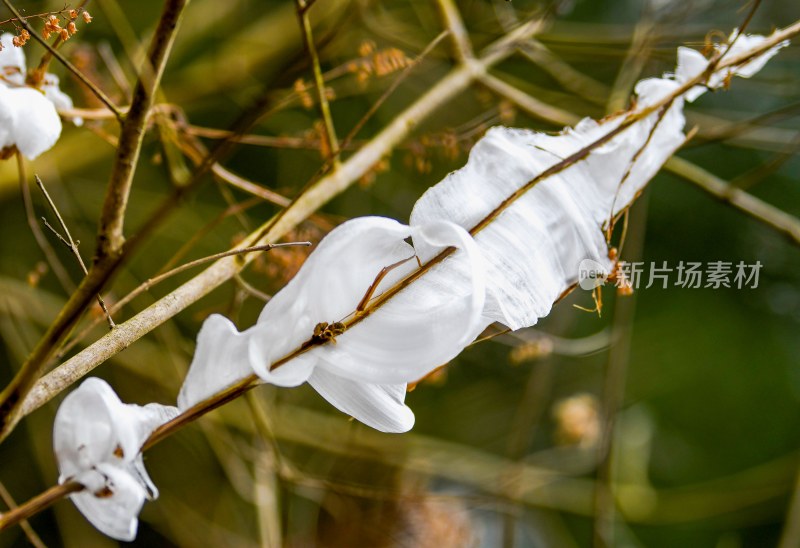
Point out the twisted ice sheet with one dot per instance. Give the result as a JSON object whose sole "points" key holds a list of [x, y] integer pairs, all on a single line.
{"points": [[515, 254], [97, 441]]}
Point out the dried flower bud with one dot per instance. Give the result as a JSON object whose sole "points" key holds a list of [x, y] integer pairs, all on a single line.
{"points": [[17, 41], [73, 14], [366, 48], [64, 34], [301, 89], [46, 32], [25, 35], [72, 28], [86, 17]]}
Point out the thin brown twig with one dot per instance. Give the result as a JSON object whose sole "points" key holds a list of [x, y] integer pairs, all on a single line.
{"points": [[769, 215], [48, 251], [150, 283], [319, 81], [147, 285], [71, 244], [38, 503], [390, 90], [33, 538], [41, 15]]}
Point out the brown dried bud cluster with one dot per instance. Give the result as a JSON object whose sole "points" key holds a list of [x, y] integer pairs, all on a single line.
{"points": [[21, 39], [53, 26], [303, 91], [377, 62]]}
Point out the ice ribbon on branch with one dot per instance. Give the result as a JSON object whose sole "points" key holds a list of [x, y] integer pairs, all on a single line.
{"points": [[521, 216], [534, 245], [97, 441], [28, 117], [362, 371]]}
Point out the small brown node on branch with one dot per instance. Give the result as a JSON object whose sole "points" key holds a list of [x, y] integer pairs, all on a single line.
{"points": [[324, 332]]}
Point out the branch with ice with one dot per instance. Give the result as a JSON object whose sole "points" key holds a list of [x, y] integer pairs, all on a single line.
{"points": [[28, 117], [499, 240], [97, 441]]}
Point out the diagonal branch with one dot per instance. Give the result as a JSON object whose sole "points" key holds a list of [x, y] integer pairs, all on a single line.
{"points": [[317, 195], [110, 239], [773, 217], [110, 232], [451, 17]]}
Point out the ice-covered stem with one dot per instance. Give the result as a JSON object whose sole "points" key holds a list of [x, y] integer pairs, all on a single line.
{"points": [[317, 195], [110, 237], [245, 384]]}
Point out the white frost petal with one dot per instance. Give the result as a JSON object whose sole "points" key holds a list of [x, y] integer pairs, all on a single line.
{"points": [[7, 136], [61, 100], [97, 441], [692, 63], [36, 125], [115, 515], [12, 61], [380, 406], [423, 326], [328, 287], [220, 360]]}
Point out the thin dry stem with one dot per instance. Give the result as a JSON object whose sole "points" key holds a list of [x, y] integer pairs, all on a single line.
{"points": [[33, 538], [48, 251], [771, 216], [451, 17], [319, 80], [38, 503], [71, 244]]}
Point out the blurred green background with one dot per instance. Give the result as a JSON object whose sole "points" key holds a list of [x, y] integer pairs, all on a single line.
{"points": [[504, 452]]}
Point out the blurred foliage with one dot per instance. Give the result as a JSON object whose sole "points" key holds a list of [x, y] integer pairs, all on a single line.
{"points": [[706, 445]]}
